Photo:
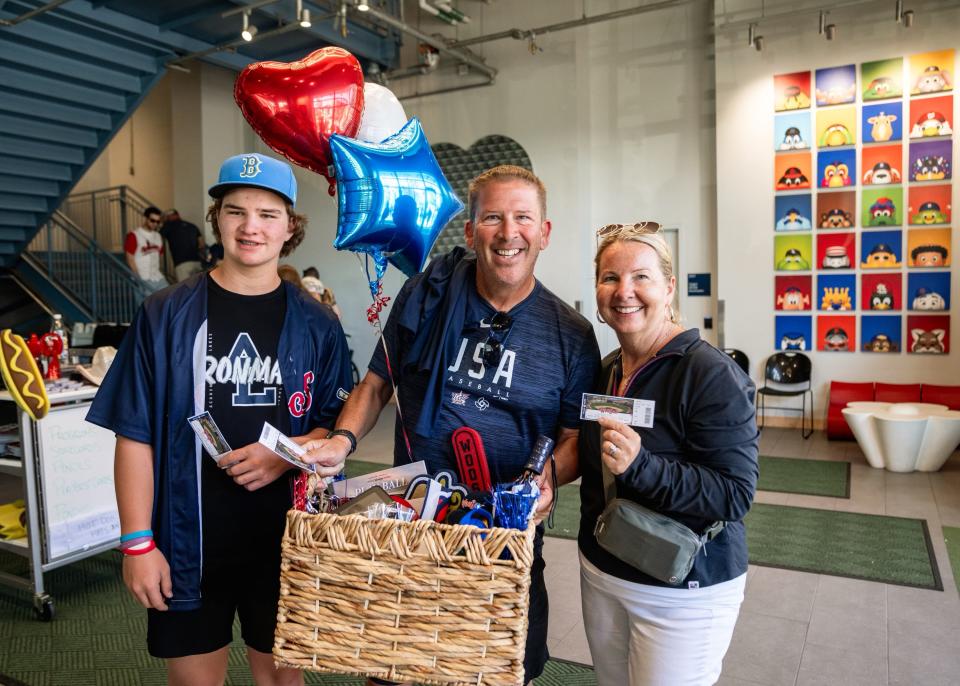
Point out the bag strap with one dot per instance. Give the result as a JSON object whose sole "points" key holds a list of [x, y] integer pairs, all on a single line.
{"points": [[611, 368]]}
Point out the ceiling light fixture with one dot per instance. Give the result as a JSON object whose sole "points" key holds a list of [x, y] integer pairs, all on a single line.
{"points": [[249, 30], [303, 15], [823, 22], [831, 30], [908, 18], [758, 43], [751, 34], [899, 10], [363, 6]]}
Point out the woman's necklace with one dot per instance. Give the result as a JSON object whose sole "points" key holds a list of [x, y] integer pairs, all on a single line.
{"points": [[627, 377]]}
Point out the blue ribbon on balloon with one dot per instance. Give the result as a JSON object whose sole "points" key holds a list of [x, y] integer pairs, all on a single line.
{"points": [[393, 199]]}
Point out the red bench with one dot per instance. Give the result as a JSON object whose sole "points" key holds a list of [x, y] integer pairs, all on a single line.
{"points": [[843, 392]]}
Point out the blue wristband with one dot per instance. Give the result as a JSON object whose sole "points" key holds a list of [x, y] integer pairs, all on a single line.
{"points": [[135, 534]]}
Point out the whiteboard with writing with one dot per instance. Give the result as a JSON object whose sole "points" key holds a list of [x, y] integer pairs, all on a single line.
{"points": [[76, 481]]}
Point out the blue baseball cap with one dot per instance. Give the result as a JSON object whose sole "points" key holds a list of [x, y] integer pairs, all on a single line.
{"points": [[256, 171]]}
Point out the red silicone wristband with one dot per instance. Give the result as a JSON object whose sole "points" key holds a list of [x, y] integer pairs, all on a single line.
{"points": [[142, 551]]}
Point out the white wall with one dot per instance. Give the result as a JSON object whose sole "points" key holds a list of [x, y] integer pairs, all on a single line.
{"points": [[745, 174]]}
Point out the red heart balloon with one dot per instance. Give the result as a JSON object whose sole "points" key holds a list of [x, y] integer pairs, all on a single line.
{"points": [[295, 107]]}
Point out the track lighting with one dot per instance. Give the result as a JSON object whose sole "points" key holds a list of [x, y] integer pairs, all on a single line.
{"points": [[823, 22], [899, 10], [908, 18], [758, 43], [302, 15], [753, 40], [831, 31], [249, 30], [363, 6]]}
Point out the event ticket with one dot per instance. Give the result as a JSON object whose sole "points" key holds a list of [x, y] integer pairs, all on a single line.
{"points": [[632, 411], [285, 447], [209, 434]]}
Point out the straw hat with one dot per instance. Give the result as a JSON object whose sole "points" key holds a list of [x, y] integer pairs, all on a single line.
{"points": [[101, 363]]}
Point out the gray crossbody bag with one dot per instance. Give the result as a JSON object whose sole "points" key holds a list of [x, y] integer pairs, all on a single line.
{"points": [[650, 542]]}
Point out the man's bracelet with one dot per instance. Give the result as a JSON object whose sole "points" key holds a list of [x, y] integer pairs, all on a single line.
{"points": [[346, 433]]}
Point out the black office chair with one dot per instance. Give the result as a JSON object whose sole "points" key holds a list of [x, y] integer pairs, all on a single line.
{"points": [[740, 358], [788, 375]]}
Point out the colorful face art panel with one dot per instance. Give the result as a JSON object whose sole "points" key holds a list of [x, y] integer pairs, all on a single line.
{"points": [[791, 91], [928, 291], [882, 123], [931, 72], [793, 332], [792, 293], [928, 334], [836, 168], [837, 333], [881, 333], [931, 161], [836, 85], [881, 292], [931, 117], [837, 210], [929, 205], [792, 132], [836, 127], [836, 292], [881, 206], [836, 250], [928, 248], [882, 79], [793, 212], [792, 253], [792, 171], [881, 165], [881, 250]]}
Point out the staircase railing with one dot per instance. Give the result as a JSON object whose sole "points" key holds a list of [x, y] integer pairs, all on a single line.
{"points": [[106, 215], [75, 262]]}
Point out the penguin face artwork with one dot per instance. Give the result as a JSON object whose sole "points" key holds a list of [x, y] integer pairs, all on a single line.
{"points": [[928, 300], [792, 178], [793, 299], [836, 135], [881, 343], [881, 87], [792, 261], [881, 256], [881, 299], [929, 256], [931, 124], [932, 80], [835, 257], [881, 174], [792, 140], [793, 341], [930, 168], [836, 339], [927, 341], [836, 219], [793, 221], [929, 213], [883, 213], [835, 175], [836, 299]]}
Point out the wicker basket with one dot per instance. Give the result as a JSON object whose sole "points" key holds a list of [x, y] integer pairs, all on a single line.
{"points": [[405, 601]]}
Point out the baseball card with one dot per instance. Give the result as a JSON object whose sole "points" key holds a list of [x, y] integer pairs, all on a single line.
{"points": [[632, 411], [209, 434], [285, 447]]}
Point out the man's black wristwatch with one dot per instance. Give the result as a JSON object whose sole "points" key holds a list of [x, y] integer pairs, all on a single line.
{"points": [[346, 433]]}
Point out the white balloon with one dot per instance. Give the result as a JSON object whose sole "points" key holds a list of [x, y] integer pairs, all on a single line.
{"points": [[383, 114]]}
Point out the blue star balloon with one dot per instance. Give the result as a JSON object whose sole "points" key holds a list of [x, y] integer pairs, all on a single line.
{"points": [[393, 199]]}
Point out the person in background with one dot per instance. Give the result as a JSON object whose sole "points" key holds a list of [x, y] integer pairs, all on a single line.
{"points": [[201, 536], [315, 287], [186, 244], [480, 342], [697, 464], [143, 248], [290, 274], [312, 271]]}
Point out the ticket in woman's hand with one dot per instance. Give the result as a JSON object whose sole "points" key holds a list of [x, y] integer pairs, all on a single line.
{"points": [[632, 411]]}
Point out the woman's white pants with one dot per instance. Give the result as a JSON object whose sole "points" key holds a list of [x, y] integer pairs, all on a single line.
{"points": [[642, 635]]}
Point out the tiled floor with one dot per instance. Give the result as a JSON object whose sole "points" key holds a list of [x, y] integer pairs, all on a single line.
{"points": [[805, 629]]}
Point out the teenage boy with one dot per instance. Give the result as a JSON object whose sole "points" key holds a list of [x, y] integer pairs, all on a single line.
{"points": [[201, 537]]}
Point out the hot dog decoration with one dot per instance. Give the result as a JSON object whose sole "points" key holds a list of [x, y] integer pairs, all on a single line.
{"points": [[22, 376]]}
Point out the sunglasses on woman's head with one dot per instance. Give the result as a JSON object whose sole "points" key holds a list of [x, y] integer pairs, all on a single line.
{"points": [[638, 227]]}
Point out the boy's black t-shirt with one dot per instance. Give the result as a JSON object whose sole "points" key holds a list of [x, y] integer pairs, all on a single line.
{"points": [[243, 389]]}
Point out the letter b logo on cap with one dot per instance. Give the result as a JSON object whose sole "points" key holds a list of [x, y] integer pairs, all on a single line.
{"points": [[251, 167]]}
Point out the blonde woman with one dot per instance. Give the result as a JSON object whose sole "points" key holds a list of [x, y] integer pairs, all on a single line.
{"points": [[697, 464]]}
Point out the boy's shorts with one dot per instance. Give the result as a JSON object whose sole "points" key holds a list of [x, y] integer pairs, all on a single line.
{"points": [[249, 588]]}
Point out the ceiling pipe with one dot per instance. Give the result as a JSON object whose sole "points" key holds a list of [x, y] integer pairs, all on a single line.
{"points": [[442, 91], [524, 34], [32, 13], [438, 43], [286, 28]]}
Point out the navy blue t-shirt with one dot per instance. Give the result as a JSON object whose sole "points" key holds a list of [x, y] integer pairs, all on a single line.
{"points": [[549, 359]]}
